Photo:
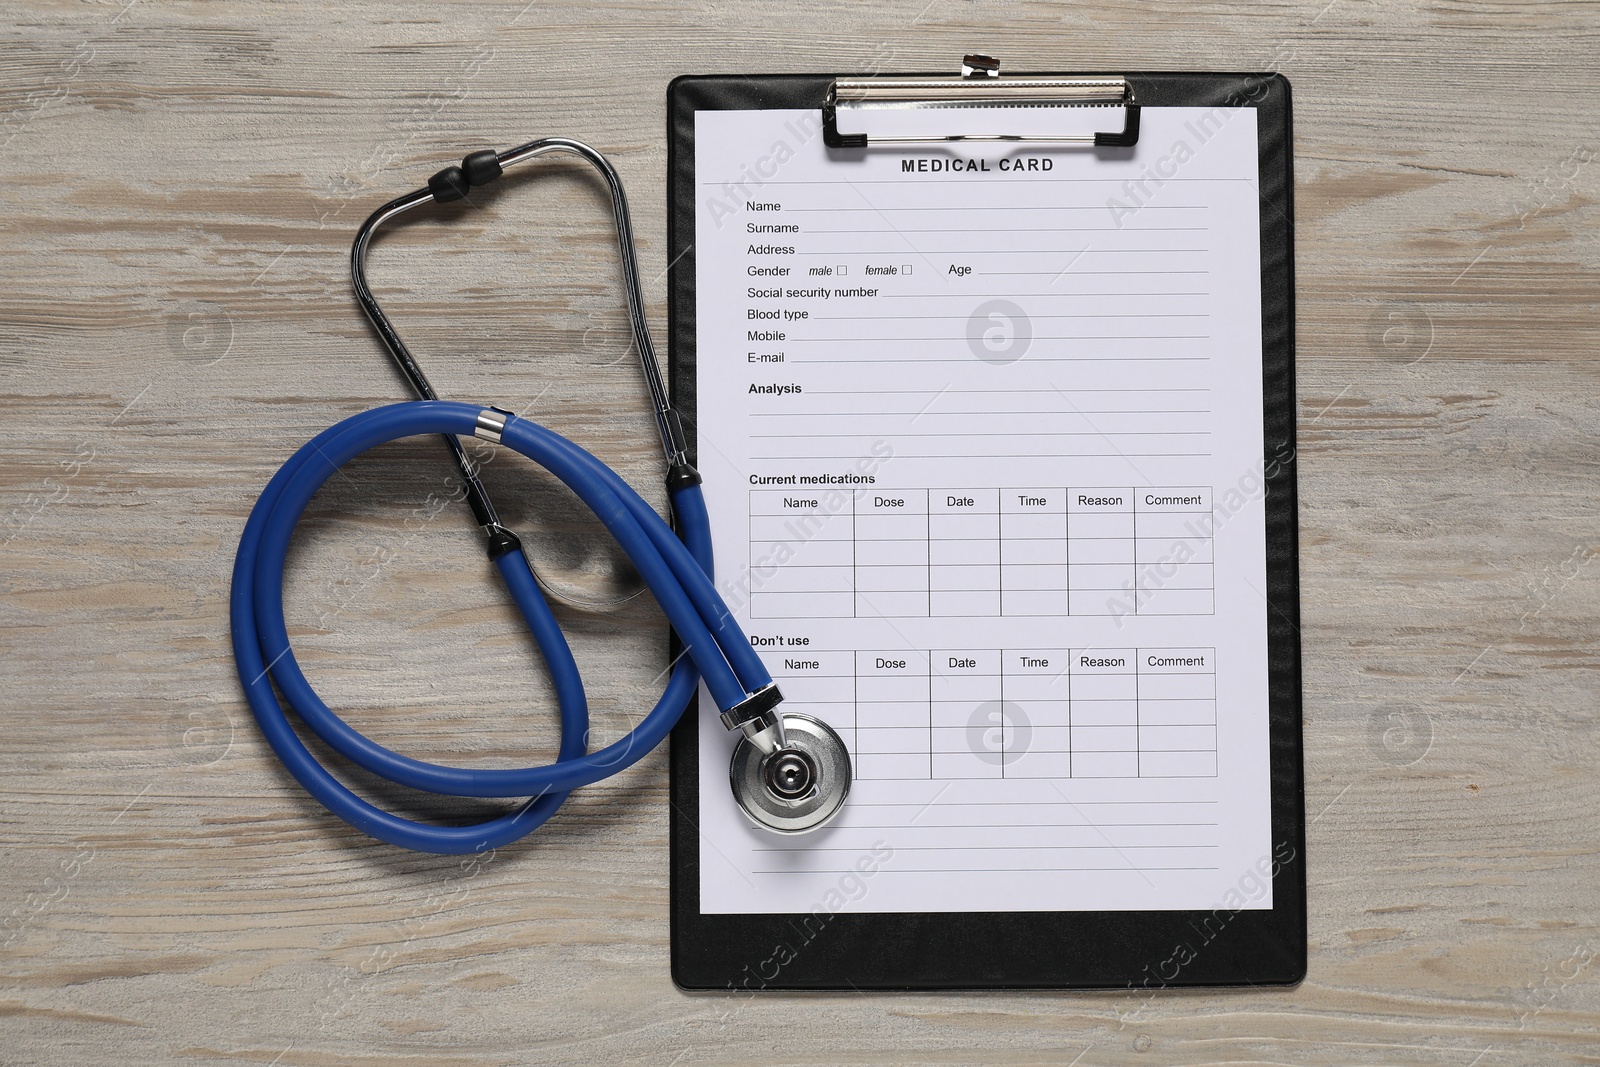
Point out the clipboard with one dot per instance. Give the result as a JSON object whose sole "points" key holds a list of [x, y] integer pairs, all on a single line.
{"points": [[975, 948]]}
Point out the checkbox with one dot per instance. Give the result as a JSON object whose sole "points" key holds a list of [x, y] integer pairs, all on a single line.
{"points": [[841, 270], [905, 268]]}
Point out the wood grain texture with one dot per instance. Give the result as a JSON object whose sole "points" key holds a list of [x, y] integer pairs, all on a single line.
{"points": [[181, 182]]}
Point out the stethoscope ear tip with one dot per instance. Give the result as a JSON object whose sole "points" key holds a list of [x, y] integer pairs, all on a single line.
{"points": [[797, 788]]}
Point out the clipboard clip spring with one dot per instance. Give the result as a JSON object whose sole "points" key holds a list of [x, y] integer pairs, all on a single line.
{"points": [[979, 85]]}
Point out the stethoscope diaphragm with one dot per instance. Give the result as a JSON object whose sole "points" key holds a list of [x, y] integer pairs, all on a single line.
{"points": [[797, 788]]}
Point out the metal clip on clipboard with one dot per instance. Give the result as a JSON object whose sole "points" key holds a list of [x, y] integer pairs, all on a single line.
{"points": [[979, 85]]}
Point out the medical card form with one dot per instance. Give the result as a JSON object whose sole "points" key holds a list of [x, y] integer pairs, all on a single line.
{"points": [[982, 443]]}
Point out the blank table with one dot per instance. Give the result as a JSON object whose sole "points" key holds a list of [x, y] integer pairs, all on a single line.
{"points": [[1059, 551], [1012, 713]]}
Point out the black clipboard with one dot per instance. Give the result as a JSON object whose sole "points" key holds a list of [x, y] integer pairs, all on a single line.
{"points": [[1145, 950]]}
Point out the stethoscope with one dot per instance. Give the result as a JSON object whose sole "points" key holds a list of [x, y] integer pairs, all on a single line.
{"points": [[789, 772]]}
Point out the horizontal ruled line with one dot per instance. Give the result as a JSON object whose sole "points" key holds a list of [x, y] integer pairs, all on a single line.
{"points": [[985, 870], [970, 207], [913, 360], [1029, 392], [1018, 455], [1008, 434], [1019, 229], [1010, 825], [1056, 412], [1006, 252], [1036, 296], [965, 566], [802, 849], [1021, 803], [1053, 315], [1036, 337]]}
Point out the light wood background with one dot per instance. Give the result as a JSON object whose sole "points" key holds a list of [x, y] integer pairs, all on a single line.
{"points": [[178, 188]]}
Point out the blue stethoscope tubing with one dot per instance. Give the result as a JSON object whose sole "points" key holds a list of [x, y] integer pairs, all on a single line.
{"points": [[676, 571]]}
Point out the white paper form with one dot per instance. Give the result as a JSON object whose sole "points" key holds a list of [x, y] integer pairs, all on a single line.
{"points": [[981, 434]]}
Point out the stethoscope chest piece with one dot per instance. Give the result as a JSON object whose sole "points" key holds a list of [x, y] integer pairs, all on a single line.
{"points": [[799, 787]]}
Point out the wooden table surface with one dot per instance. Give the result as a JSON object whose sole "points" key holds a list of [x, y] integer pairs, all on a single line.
{"points": [[180, 185]]}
